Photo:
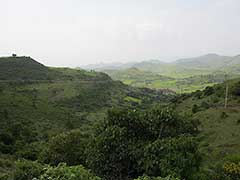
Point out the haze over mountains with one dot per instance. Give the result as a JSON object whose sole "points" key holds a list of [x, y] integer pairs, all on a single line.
{"points": [[203, 64], [182, 75]]}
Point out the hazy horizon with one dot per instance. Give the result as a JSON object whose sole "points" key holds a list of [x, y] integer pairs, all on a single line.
{"points": [[75, 33]]}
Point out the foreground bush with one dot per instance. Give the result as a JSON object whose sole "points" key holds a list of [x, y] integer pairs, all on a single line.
{"points": [[27, 170], [66, 147], [64, 172], [130, 143], [232, 170], [156, 178], [177, 156]]}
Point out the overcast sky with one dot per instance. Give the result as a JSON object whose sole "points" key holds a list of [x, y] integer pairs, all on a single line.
{"points": [[79, 32]]}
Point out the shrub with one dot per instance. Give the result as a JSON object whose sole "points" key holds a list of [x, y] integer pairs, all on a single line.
{"points": [[4, 176], [205, 105], [232, 170], [121, 145], [198, 94], [30, 151], [195, 109], [156, 178], [177, 156], [223, 115], [27, 170], [66, 147], [208, 91], [238, 121], [64, 172], [236, 89]]}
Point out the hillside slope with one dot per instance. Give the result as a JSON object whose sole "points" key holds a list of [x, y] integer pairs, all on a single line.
{"points": [[21, 68], [38, 102], [219, 126]]}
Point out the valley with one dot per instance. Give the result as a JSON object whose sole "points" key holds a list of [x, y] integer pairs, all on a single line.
{"points": [[182, 76], [60, 121]]}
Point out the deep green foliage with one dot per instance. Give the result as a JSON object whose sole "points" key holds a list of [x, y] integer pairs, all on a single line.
{"points": [[208, 91], [195, 108], [22, 68], [156, 178], [236, 89], [27, 170], [121, 145], [64, 172], [177, 156], [66, 147]]}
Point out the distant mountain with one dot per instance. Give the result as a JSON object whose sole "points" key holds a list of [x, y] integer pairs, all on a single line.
{"points": [[183, 75], [202, 65], [106, 66], [209, 61]]}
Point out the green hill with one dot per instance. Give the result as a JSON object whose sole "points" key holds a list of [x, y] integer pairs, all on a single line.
{"points": [[219, 125], [21, 68], [202, 65]]}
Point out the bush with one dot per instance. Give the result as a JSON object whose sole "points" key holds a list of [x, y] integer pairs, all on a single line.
{"points": [[195, 109], [30, 151], [205, 105], [156, 178], [27, 170], [66, 147], [229, 168], [198, 94], [232, 170], [238, 121], [224, 115], [64, 172], [236, 89], [176, 156], [4, 176], [208, 91]]}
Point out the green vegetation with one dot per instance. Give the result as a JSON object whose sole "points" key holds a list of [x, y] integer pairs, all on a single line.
{"points": [[180, 83], [72, 124], [181, 76], [219, 126]]}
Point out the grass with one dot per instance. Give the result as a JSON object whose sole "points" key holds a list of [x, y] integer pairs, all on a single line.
{"points": [[219, 127], [132, 99], [180, 82]]}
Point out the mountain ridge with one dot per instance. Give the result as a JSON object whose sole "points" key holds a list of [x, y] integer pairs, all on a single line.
{"points": [[202, 64]]}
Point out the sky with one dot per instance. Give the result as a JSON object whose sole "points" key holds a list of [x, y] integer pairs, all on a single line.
{"points": [[79, 32]]}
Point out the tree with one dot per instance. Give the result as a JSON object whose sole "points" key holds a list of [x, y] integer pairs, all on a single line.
{"points": [[120, 146], [66, 147], [27, 170], [176, 156]]}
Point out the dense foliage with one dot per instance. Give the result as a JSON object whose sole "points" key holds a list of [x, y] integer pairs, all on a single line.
{"points": [[64, 172], [157, 142]]}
